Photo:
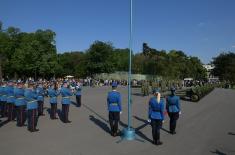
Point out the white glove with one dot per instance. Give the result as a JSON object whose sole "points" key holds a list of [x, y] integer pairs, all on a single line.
{"points": [[180, 113], [120, 112], [163, 121], [149, 120]]}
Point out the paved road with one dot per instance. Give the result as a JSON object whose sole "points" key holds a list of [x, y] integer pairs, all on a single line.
{"points": [[206, 127]]}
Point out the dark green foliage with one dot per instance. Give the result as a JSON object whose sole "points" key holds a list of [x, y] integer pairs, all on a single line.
{"points": [[100, 58], [28, 54], [34, 54], [225, 67], [199, 92], [172, 65]]}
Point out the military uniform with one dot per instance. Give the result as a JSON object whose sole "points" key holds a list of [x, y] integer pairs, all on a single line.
{"points": [[40, 99], [20, 106], [53, 101], [78, 95], [32, 107], [10, 101], [156, 116], [114, 108], [145, 88], [65, 93], [3, 100], [173, 109]]}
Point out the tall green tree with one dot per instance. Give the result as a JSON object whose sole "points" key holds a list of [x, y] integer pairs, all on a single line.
{"points": [[225, 66], [100, 58]]}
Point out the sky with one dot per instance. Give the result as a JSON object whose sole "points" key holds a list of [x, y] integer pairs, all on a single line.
{"points": [[202, 28]]}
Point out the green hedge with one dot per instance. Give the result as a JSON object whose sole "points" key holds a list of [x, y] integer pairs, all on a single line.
{"points": [[199, 92]]}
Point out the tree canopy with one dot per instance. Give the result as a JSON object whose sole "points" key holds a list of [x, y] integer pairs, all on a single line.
{"points": [[34, 54], [28, 54], [225, 66]]}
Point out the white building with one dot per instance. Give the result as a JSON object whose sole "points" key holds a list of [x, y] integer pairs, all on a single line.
{"points": [[209, 70]]}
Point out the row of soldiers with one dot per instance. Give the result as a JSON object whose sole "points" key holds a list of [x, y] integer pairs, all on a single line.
{"points": [[156, 111], [27, 103]]}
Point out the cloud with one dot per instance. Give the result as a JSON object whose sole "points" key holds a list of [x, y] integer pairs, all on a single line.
{"points": [[201, 24], [233, 46]]}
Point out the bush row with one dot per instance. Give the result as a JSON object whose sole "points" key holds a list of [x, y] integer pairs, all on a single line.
{"points": [[198, 92]]}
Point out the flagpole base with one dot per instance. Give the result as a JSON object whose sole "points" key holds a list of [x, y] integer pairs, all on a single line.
{"points": [[128, 134]]}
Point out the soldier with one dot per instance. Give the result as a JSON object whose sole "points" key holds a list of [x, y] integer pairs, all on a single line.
{"points": [[173, 109], [145, 88], [156, 115], [78, 94], [66, 93], [40, 99], [10, 101], [114, 108], [53, 93], [20, 104], [3, 99], [32, 107]]}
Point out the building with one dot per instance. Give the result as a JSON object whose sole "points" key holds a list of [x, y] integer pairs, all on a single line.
{"points": [[209, 71]]}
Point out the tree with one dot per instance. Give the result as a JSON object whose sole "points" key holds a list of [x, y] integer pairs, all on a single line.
{"points": [[72, 63], [225, 66], [121, 59], [100, 58], [27, 54]]}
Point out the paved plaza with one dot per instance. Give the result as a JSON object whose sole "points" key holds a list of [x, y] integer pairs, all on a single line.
{"points": [[206, 127]]}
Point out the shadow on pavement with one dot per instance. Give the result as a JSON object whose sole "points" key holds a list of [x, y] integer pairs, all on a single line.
{"points": [[98, 115], [231, 133], [59, 112], [74, 103], [137, 130], [218, 152], [100, 123], [163, 129], [2, 123], [138, 94]]}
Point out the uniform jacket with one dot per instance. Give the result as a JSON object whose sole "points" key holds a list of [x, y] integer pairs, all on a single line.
{"points": [[3, 96], [31, 99], [53, 95], [66, 93], [10, 94], [114, 101], [79, 91], [173, 104], [40, 94], [19, 95], [156, 110]]}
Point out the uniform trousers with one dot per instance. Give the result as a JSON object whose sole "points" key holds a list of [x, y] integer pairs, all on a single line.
{"points": [[11, 112], [40, 108], [3, 108], [53, 110], [78, 99], [114, 118], [156, 126], [32, 117], [65, 113], [174, 116], [20, 115]]}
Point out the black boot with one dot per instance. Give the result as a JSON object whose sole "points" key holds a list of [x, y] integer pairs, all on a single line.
{"points": [[158, 142]]}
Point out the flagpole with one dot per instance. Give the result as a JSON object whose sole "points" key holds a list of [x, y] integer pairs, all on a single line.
{"points": [[129, 75], [129, 133]]}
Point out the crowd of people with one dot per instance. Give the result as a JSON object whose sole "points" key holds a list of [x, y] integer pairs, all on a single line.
{"points": [[25, 100]]}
